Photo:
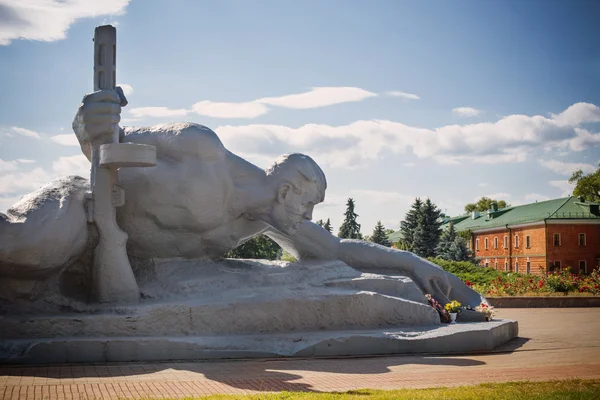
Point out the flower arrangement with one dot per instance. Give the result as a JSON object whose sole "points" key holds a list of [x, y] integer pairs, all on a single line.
{"points": [[444, 315], [453, 307], [486, 310]]}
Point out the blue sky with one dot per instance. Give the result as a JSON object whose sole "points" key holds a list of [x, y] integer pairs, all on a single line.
{"points": [[395, 99]]}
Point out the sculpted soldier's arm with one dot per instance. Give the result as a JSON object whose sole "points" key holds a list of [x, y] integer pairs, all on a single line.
{"points": [[313, 242]]}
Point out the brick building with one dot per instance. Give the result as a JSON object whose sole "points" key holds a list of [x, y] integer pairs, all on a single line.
{"points": [[536, 238]]}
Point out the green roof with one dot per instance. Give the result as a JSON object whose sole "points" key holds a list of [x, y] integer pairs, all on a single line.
{"points": [[396, 236], [564, 208]]}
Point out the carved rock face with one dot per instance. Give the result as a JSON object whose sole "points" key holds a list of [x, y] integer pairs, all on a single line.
{"points": [[293, 206]]}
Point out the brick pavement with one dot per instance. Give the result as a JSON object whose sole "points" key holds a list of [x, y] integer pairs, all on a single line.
{"points": [[553, 344]]}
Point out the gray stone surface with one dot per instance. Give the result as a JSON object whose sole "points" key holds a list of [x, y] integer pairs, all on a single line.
{"points": [[444, 339]]}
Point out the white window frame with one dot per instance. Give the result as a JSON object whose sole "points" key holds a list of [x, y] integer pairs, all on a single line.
{"points": [[554, 236], [506, 241], [584, 239], [516, 241], [584, 266]]}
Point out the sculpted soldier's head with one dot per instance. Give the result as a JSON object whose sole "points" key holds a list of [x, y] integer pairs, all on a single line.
{"points": [[300, 184]]}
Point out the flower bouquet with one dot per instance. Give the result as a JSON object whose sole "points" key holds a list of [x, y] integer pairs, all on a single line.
{"points": [[453, 309], [444, 315], [486, 310]]}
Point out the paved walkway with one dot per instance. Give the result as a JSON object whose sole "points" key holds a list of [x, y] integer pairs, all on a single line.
{"points": [[553, 344]]}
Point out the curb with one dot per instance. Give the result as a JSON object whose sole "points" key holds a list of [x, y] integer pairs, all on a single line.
{"points": [[543, 302]]}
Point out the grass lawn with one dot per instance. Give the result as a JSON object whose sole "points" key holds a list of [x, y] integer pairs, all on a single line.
{"points": [[553, 390]]}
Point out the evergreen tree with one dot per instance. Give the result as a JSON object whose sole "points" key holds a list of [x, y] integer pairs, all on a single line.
{"points": [[259, 247], [427, 234], [320, 223], [447, 239], [410, 223], [350, 229], [459, 251], [328, 226], [453, 247], [380, 236]]}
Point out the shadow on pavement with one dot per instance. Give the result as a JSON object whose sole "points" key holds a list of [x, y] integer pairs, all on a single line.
{"points": [[263, 375]]}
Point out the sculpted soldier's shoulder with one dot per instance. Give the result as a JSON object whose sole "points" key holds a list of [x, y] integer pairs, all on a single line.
{"points": [[178, 139]]}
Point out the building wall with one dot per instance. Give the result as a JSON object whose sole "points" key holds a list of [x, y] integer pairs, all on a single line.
{"points": [[570, 253], [535, 254], [497, 257]]}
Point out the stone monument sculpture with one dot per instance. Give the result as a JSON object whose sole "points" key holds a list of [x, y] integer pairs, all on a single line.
{"points": [[74, 287]]}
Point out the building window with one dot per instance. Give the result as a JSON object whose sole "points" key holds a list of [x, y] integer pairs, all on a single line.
{"points": [[528, 242], [506, 242], [496, 264], [582, 239], [476, 244], [487, 264], [496, 243], [485, 241], [582, 267], [556, 265], [506, 266], [516, 266], [528, 267], [557, 239], [516, 242]]}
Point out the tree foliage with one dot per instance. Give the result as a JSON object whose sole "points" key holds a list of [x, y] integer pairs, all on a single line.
{"points": [[350, 229], [410, 223], [380, 236], [484, 204], [328, 226], [427, 234], [259, 247], [588, 185]]}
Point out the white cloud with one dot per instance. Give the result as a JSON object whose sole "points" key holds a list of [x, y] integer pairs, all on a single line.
{"points": [[127, 89], [73, 165], [49, 20], [7, 166], [157, 112], [404, 95], [315, 98], [20, 182], [66, 140], [565, 168], [318, 97], [511, 139], [578, 113], [24, 161], [230, 110], [25, 132], [466, 111], [565, 187], [14, 180], [409, 164]]}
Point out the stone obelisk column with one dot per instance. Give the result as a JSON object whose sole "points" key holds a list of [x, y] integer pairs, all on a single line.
{"points": [[112, 277]]}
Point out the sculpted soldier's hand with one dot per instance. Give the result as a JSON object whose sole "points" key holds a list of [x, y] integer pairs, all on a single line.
{"points": [[98, 115]]}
